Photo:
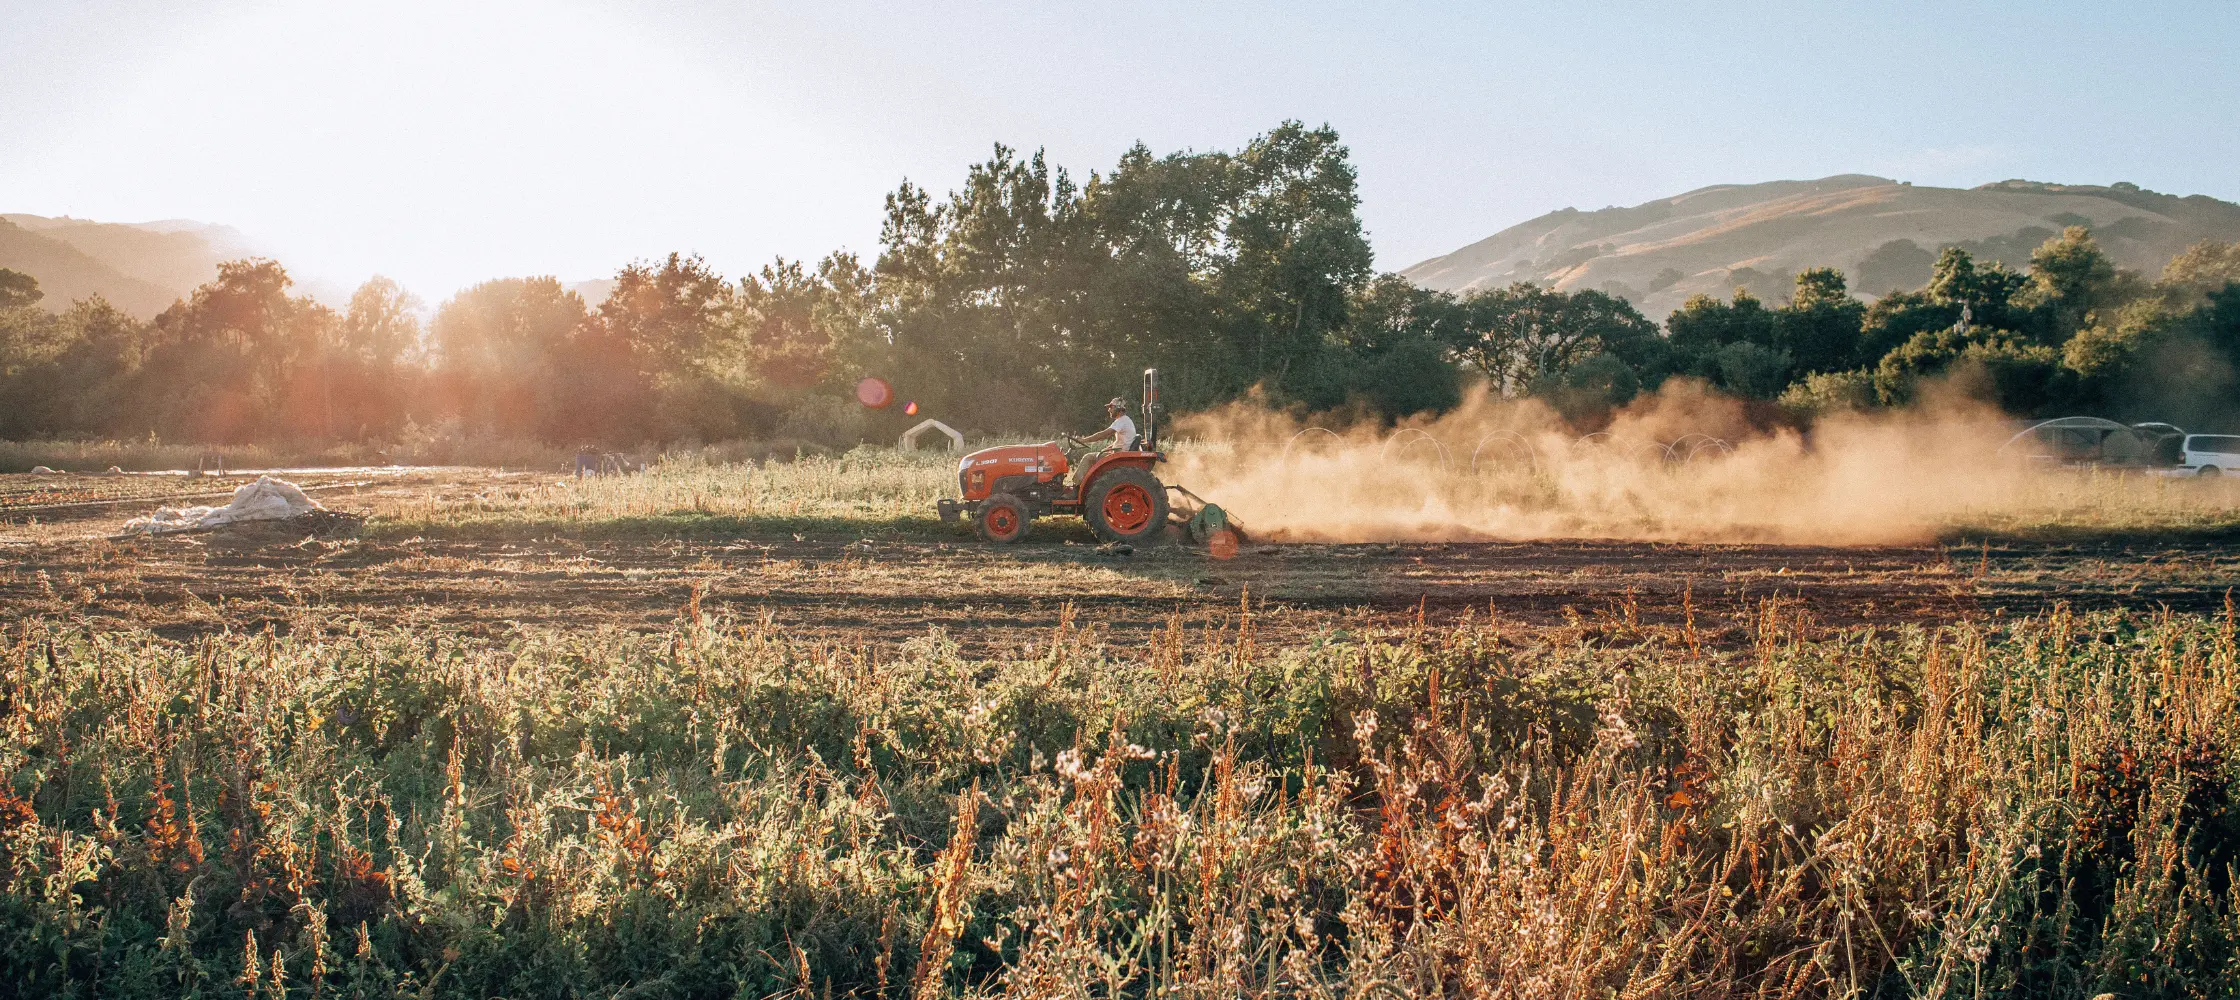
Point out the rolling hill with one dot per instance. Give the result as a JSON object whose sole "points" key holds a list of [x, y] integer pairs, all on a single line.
{"points": [[1882, 234], [140, 268], [143, 267]]}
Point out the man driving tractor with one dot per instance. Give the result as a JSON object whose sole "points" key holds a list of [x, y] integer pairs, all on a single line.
{"points": [[1001, 490], [1122, 434]]}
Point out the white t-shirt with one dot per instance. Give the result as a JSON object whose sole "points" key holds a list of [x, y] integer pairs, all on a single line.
{"points": [[1125, 437]]}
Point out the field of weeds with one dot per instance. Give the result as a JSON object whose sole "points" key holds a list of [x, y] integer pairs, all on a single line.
{"points": [[2036, 807], [770, 729]]}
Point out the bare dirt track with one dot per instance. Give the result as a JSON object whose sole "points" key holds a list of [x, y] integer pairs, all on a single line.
{"points": [[885, 586]]}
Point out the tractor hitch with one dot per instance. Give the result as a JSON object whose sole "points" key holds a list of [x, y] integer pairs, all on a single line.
{"points": [[1201, 519]]}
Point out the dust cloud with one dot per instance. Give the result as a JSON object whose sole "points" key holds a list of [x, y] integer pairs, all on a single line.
{"points": [[1683, 464]]}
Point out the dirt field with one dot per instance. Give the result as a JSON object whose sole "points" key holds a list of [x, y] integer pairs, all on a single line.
{"points": [[886, 581]]}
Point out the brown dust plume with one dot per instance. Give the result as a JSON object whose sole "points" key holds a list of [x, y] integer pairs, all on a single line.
{"points": [[1682, 464]]}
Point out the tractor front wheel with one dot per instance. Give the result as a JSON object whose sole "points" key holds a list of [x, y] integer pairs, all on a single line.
{"points": [[1127, 504], [1003, 518]]}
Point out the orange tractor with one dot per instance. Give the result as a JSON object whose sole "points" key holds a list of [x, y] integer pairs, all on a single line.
{"points": [[1006, 488]]}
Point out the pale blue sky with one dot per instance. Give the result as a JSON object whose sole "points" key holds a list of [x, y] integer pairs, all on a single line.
{"points": [[442, 143]]}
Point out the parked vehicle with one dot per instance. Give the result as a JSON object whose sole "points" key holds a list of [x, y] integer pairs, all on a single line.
{"points": [[2209, 454], [2094, 442]]}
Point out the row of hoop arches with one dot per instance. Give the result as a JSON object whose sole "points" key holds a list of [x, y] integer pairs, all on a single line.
{"points": [[1510, 449]]}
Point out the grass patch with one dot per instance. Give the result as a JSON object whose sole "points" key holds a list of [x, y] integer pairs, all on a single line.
{"points": [[868, 492], [676, 524], [2087, 506], [2203, 531]]}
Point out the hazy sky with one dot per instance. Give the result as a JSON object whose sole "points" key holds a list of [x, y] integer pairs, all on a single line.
{"points": [[445, 143]]}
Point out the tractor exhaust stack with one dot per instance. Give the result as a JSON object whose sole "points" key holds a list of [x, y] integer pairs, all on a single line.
{"points": [[1151, 409]]}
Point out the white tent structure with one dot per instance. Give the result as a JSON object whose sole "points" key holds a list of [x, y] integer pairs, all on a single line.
{"points": [[909, 441]]}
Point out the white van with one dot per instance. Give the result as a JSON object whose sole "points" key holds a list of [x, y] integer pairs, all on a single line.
{"points": [[2210, 454]]}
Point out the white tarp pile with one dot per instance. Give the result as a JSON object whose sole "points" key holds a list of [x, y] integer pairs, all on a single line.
{"points": [[267, 499]]}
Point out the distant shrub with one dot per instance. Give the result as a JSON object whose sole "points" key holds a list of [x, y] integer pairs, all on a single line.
{"points": [[1831, 392], [830, 421]]}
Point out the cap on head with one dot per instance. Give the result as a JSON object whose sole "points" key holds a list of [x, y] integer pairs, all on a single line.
{"points": [[1117, 404]]}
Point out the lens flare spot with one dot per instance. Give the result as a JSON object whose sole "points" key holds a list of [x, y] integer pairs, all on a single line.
{"points": [[1223, 544], [876, 394]]}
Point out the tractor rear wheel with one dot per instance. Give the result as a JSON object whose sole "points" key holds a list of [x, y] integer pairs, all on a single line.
{"points": [[1003, 518], [1127, 504]]}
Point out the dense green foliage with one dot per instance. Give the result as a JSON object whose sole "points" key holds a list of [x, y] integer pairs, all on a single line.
{"points": [[2073, 335], [2041, 808]]}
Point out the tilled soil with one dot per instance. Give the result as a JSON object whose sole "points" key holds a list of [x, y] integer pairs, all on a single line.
{"points": [[888, 589], [885, 592]]}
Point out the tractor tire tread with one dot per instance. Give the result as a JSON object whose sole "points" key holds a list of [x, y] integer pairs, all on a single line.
{"points": [[1019, 508], [1092, 507]]}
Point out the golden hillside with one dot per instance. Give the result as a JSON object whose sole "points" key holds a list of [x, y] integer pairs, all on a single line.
{"points": [[140, 268], [1883, 234]]}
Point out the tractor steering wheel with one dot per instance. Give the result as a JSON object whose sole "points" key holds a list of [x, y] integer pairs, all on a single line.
{"points": [[1074, 441]]}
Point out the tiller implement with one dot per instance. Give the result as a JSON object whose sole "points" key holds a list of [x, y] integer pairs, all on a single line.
{"points": [[1006, 488]]}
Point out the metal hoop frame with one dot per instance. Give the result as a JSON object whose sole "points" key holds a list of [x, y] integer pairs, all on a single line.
{"points": [[1689, 446], [1531, 455], [1287, 445], [1384, 454]]}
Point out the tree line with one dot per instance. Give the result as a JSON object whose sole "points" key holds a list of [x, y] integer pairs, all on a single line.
{"points": [[1024, 298], [2072, 334]]}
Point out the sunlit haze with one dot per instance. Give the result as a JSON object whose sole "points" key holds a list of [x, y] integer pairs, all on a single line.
{"points": [[442, 144]]}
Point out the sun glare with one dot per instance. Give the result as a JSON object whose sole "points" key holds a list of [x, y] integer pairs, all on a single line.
{"points": [[445, 143]]}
